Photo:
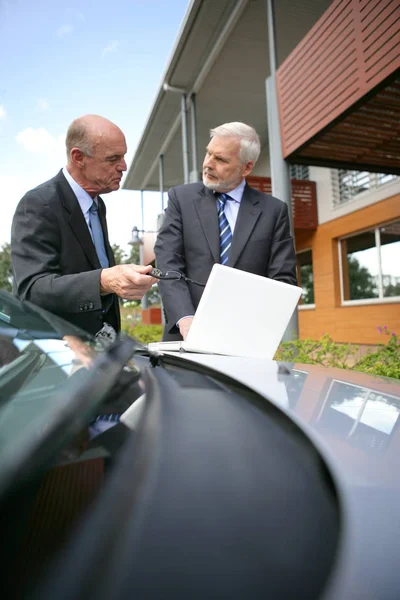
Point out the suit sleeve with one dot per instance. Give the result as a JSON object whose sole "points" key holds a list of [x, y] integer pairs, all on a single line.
{"points": [[36, 255], [282, 260], [170, 256]]}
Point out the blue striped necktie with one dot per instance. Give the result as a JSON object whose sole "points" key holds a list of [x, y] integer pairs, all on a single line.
{"points": [[97, 235], [225, 233]]}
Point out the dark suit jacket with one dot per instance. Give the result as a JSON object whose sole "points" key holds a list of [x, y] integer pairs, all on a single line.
{"points": [[54, 260], [189, 242]]}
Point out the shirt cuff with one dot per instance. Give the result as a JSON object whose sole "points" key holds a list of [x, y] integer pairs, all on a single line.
{"points": [[185, 317]]}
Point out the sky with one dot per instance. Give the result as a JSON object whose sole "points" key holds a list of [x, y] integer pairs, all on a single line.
{"points": [[63, 60]]}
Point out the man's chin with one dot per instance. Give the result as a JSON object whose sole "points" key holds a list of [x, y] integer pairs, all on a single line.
{"points": [[210, 183]]}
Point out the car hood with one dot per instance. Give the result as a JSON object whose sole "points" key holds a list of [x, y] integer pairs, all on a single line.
{"points": [[352, 419]]}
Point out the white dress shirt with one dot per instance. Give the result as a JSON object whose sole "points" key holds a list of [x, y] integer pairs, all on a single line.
{"points": [[232, 205]]}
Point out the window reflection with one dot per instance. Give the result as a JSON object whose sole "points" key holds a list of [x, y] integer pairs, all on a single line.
{"points": [[305, 276], [390, 253], [360, 267], [365, 418]]}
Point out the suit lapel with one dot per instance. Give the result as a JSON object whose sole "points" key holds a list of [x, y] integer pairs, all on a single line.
{"points": [[247, 217], [77, 221], [206, 208]]}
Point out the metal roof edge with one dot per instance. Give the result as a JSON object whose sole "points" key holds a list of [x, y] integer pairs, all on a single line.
{"points": [[186, 27], [183, 33]]}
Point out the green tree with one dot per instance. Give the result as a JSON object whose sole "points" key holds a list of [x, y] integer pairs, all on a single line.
{"points": [[362, 284], [134, 255], [392, 290], [5, 268], [119, 254], [153, 296]]}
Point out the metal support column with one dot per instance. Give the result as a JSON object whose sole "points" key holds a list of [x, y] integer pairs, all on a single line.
{"points": [[161, 172], [142, 207], [194, 174], [280, 174], [185, 144], [144, 302]]}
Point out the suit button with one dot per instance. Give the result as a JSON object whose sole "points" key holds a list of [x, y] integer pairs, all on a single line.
{"points": [[85, 307], [91, 305], [81, 308]]}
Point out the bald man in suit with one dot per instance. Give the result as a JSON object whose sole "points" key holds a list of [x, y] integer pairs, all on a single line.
{"points": [[61, 255]]}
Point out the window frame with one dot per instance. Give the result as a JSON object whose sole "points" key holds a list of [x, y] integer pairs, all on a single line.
{"points": [[381, 299]]}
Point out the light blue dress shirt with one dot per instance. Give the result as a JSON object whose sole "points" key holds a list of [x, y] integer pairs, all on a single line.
{"points": [[85, 201]]}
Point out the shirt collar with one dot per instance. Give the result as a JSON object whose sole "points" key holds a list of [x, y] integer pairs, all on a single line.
{"points": [[85, 201], [237, 193]]}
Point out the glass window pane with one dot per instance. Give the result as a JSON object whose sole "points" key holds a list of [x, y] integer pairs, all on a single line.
{"points": [[384, 178], [305, 276], [352, 183], [299, 172], [390, 258], [360, 267]]}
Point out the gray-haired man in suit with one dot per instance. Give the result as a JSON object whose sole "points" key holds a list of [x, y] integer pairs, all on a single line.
{"points": [[61, 256], [258, 237]]}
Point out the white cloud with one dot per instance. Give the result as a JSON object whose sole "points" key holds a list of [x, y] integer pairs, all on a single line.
{"points": [[110, 48], [3, 113], [42, 105], [40, 141], [64, 30]]}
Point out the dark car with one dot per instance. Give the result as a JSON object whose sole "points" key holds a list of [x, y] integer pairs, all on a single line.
{"points": [[131, 474]]}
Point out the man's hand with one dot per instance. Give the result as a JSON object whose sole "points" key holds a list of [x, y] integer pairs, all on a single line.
{"points": [[127, 281], [184, 326]]}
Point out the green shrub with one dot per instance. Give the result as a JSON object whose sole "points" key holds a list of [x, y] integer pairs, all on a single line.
{"points": [[324, 352], [143, 333], [385, 360]]}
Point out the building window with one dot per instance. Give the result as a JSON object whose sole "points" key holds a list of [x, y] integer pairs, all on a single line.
{"points": [[370, 266], [299, 172], [348, 184], [305, 277]]}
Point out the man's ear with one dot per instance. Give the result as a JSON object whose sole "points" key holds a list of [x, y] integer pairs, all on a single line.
{"points": [[77, 157], [248, 167]]}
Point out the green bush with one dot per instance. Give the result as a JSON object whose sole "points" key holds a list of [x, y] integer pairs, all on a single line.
{"points": [[143, 333], [324, 352], [384, 361]]}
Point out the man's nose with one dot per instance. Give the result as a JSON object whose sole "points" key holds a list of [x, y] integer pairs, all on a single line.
{"points": [[122, 165], [207, 161]]}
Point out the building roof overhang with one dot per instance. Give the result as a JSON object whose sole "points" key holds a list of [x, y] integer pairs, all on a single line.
{"points": [[221, 55]]}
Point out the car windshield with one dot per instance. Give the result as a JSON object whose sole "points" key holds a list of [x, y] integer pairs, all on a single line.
{"points": [[44, 362]]}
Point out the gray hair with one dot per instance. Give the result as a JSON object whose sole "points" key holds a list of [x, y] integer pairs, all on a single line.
{"points": [[250, 145], [78, 136]]}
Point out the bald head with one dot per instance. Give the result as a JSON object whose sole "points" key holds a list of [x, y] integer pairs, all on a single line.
{"points": [[96, 148], [87, 131]]}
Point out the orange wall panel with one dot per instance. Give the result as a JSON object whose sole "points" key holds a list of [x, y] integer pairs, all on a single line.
{"points": [[358, 323]]}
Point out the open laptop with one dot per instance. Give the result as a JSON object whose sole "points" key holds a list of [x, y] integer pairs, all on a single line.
{"points": [[239, 314]]}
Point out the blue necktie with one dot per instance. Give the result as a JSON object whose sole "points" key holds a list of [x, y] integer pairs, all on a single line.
{"points": [[225, 233], [97, 235]]}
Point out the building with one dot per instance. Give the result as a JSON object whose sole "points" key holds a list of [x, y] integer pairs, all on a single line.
{"points": [[338, 90]]}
